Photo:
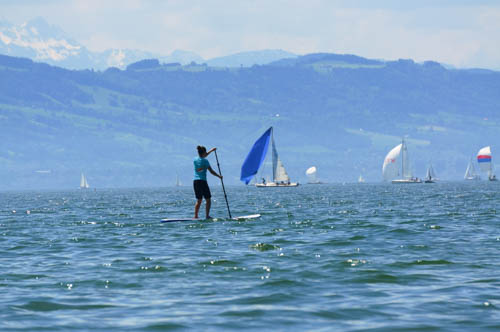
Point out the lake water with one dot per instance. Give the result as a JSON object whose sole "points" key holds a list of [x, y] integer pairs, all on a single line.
{"points": [[349, 257]]}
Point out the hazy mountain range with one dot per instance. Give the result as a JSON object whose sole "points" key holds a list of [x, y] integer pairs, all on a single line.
{"points": [[140, 126], [40, 41]]}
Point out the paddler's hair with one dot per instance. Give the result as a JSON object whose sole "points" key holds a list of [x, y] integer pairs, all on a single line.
{"points": [[201, 150]]}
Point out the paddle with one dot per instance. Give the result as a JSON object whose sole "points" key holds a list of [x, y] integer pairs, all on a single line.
{"points": [[223, 189]]}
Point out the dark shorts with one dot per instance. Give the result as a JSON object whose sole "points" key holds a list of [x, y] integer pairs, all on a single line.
{"points": [[201, 189]]}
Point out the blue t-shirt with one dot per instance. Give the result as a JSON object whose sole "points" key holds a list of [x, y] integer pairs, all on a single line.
{"points": [[200, 163]]}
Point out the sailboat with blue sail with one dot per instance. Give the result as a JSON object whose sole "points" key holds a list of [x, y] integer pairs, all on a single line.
{"points": [[256, 157]]}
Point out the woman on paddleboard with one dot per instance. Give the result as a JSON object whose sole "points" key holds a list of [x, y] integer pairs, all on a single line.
{"points": [[200, 184]]}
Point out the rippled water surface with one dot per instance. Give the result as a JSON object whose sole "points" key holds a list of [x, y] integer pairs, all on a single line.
{"points": [[322, 257]]}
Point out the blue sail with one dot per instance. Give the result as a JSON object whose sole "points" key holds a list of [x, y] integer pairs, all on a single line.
{"points": [[255, 157]]}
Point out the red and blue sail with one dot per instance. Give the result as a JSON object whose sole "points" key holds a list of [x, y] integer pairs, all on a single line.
{"points": [[484, 159]]}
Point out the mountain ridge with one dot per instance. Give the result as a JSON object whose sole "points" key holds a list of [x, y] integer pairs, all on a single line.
{"points": [[41, 41], [140, 125]]}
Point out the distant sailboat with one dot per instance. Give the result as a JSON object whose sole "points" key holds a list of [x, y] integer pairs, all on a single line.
{"points": [[430, 176], [312, 178], [396, 167], [83, 182], [177, 181], [470, 172], [361, 179], [484, 160], [256, 157]]}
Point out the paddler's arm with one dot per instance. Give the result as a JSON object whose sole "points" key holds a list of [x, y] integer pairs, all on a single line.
{"points": [[211, 150], [214, 173]]}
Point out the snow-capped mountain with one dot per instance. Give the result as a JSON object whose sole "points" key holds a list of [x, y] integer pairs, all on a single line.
{"points": [[42, 42]]}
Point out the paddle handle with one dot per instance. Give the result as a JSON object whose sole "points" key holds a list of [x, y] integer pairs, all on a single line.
{"points": [[223, 188]]}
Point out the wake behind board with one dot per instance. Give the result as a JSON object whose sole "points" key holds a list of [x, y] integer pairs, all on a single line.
{"points": [[250, 216]]}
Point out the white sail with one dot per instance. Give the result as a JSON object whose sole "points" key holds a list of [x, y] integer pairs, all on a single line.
{"points": [[83, 182], [430, 175], [405, 162], [279, 172], [311, 175], [390, 168], [361, 179], [470, 172]]}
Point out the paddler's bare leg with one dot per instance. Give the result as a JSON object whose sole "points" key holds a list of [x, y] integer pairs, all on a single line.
{"points": [[208, 203], [197, 208]]}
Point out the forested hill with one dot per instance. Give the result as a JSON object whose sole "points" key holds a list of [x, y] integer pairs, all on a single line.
{"points": [[140, 126]]}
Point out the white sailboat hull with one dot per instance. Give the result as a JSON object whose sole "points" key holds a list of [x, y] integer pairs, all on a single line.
{"points": [[472, 178], [274, 184], [404, 181]]}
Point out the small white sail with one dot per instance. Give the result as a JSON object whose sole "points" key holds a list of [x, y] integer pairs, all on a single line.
{"points": [[83, 182], [280, 172], [430, 175], [361, 179], [311, 175], [390, 168], [470, 172]]}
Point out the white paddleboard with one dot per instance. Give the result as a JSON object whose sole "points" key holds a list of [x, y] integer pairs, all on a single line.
{"points": [[178, 219], [250, 216]]}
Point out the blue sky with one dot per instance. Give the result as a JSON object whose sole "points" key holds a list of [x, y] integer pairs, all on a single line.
{"points": [[459, 32]]}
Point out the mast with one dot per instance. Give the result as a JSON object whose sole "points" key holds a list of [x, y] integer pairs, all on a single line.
{"points": [[275, 155], [403, 157]]}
